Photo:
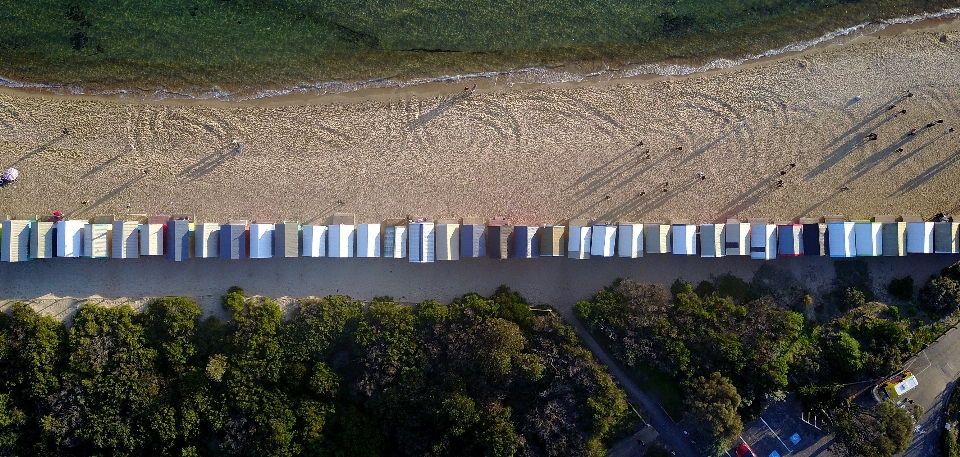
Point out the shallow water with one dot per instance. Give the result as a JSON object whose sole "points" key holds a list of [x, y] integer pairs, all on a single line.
{"points": [[209, 48]]}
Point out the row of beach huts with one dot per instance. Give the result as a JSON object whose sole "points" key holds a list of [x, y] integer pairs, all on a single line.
{"points": [[179, 238]]}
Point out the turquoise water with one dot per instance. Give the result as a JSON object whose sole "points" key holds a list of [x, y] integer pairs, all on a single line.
{"points": [[229, 44]]}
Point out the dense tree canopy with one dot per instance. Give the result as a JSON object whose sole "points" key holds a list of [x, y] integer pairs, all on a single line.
{"points": [[480, 376]]}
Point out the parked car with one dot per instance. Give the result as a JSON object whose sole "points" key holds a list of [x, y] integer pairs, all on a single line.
{"points": [[744, 451]]}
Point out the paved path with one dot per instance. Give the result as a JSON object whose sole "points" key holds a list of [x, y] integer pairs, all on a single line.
{"points": [[936, 369]]}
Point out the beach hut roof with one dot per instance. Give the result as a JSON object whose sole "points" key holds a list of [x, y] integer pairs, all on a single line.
{"points": [[842, 239], [894, 238], [815, 241], [207, 240], [712, 240], [314, 241], [868, 238], [286, 239], [15, 245], [789, 242], [763, 241], [603, 241], [96, 240], [368, 240], [421, 242], [498, 241], [233, 241], [473, 240], [919, 237], [630, 240], [657, 238], [945, 237], [395, 242], [737, 238], [41, 240], [178, 239], [447, 241], [684, 239], [70, 236], [340, 240], [578, 242], [126, 239], [553, 241]]}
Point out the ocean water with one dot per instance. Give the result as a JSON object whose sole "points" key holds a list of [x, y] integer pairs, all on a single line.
{"points": [[250, 48]]}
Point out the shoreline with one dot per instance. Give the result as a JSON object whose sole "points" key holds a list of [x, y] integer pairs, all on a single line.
{"points": [[505, 80]]}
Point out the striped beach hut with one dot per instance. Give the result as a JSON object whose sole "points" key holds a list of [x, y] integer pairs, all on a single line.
{"points": [[151, 236], [179, 233], [498, 240], [41, 240], [656, 238], [894, 235], [868, 238], [737, 238], [314, 241], [578, 242], [15, 244], [713, 240], [842, 239], [96, 240], [70, 238], [684, 239], [630, 240], [603, 241], [553, 241], [207, 240], [395, 242], [789, 240], [340, 240], [763, 241], [919, 237], [815, 239], [368, 240], [286, 239], [233, 240], [261, 240], [473, 240], [421, 242], [945, 237], [126, 239], [526, 241], [447, 244]]}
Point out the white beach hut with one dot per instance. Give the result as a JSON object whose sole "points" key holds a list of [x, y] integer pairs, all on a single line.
{"points": [[737, 238], [842, 239], [420, 242], [447, 241], [151, 239], [919, 237], [656, 238], [368, 240], [630, 240], [261, 240], [96, 240], [603, 241], [868, 238], [763, 241], [314, 241], [15, 246], [395, 242], [41, 240], [713, 240], [340, 240], [206, 240], [945, 237], [70, 238], [578, 242], [684, 239], [126, 239]]}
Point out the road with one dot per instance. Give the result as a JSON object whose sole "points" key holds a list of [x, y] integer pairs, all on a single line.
{"points": [[936, 369]]}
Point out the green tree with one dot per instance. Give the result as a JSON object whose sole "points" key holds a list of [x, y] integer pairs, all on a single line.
{"points": [[711, 411], [880, 431], [941, 293], [842, 353]]}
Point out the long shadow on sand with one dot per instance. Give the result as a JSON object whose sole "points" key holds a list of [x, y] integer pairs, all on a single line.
{"points": [[849, 140], [39, 149]]}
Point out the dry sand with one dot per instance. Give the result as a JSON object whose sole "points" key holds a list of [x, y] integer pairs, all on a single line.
{"points": [[532, 154]]}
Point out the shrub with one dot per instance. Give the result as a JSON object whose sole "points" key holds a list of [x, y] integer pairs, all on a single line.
{"points": [[941, 294], [852, 298], [901, 288]]}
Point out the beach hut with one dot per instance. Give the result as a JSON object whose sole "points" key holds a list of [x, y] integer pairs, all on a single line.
{"points": [[395, 242], [815, 239], [207, 240], [473, 240], [420, 242], [553, 241], [630, 240], [126, 239], [945, 237], [368, 240], [603, 241], [713, 238], [341, 240], [789, 240], [684, 239], [498, 240], [96, 240], [286, 239], [233, 240], [151, 237], [842, 239], [70, 238], [179, 232], [919, 237], [526, 241], [763, 241], [737, 238], [261, 240], [578, 243], [314, 241], [15, 245], [868, 238], [656, 238], [894, 236], [447, 241], [41, 240]]}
